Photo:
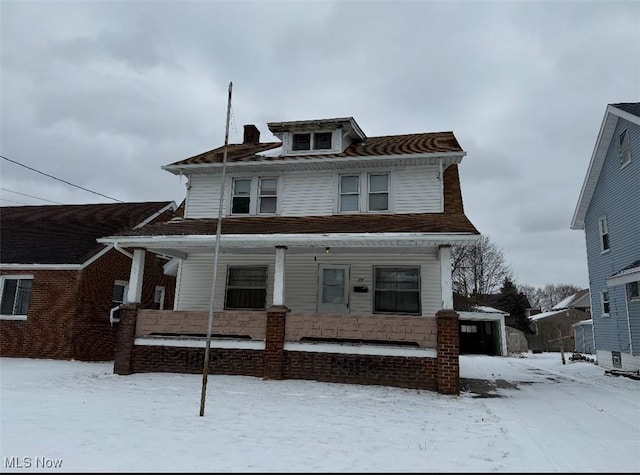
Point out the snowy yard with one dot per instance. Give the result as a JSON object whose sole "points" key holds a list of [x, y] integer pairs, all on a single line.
{"points": [[550, 418]]}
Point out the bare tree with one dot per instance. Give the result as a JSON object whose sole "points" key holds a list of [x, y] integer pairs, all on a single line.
{"points": [[479, 268], [545, 298]]}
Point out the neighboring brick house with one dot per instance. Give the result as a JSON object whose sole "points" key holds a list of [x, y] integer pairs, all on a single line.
{"points": [[58, 284], [334, 260], [608, 210]]}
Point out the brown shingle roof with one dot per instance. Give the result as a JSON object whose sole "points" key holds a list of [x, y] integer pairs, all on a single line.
{"points": [[436, 142], [66, 234]]}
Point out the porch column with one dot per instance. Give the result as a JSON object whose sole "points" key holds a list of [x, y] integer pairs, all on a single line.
{"points": [[134, 294], [125, 337], [445, 277], [447, 361], [278, 278]]}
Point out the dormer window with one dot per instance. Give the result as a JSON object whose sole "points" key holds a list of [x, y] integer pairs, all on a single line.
{"points": [[320, 141]]}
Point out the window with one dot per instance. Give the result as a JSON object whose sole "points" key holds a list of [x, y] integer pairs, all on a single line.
{"points": [[379, 192], [375, 187], [397, 290], [633, 290], [158, 298], [312, 141], [251, 196], [120, 288], [16, 291], [605, 302], [246, 288], [349, 192], [625, 148], [469, 328], [301, 142], [268, 194], [604, 234], [241, 201]]}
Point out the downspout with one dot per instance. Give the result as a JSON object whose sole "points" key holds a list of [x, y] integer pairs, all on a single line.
{"points": [[112, 314], [117, 247]]}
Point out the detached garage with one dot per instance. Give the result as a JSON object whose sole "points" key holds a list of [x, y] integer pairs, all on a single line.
{"points": [[482, 329]]}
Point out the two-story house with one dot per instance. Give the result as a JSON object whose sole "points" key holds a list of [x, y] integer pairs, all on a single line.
{"points": [[608, 210], [333, 261]]}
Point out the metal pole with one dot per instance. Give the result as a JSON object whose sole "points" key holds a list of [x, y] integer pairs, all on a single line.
{"points": [[205, 369]]}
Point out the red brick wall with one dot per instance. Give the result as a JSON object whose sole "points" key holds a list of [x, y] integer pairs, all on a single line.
{"points": [[47, 331], [448, 352], [68, 315]]}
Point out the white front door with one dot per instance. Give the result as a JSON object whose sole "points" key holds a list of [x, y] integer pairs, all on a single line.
{"points": [[333, 289]]}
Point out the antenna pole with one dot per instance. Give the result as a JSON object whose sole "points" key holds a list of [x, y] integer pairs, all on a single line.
{"points": [[207, 348]]}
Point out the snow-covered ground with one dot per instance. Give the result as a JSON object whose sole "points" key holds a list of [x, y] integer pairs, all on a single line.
{"points": [[550, 418]]}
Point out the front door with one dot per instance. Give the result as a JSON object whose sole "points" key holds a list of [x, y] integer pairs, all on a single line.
{"points": [[333, 289]]}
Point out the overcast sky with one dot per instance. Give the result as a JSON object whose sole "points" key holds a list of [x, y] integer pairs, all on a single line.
{"points": [[104, 93]]}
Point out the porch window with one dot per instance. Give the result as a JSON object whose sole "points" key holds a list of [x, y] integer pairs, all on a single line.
{"points": [[120, 288], [397, 290], [604, 234], [349, 192], [379, 192], [246, 288], [16, 291], [241, 200], [268, 195], [605, 302]]}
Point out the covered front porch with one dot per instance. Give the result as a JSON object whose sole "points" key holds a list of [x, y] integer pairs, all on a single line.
{"points": [[371, 310]]}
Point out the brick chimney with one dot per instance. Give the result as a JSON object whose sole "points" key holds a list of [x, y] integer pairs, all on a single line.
{"points": [[251, 135]]}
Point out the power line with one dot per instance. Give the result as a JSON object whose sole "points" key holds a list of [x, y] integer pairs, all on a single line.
{"points": [[30, 196], [16, 202], [60, 179]]}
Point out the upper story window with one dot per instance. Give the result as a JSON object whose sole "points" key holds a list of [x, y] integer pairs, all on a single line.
{"points": [[349, 193], [254, 195], [372, 187], [379, 192], [604, 234], [312, 141], [625, 148], [14, 300], [604, 295]]}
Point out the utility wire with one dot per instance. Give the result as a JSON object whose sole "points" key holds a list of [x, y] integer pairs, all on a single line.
{"points": [[16, 202], [30, 196], [60, 179]]}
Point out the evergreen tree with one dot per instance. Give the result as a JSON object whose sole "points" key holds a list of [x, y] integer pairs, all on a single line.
{"points": [[516, 303]]}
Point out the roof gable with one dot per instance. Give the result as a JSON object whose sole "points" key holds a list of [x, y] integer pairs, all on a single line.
{"points": [[66, 234], [629, 111]]}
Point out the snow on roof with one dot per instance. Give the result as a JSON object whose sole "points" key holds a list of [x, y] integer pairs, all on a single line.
{"points": [[482, 308], [272, 152], [583, 322], [563, 303], [545, 314]]}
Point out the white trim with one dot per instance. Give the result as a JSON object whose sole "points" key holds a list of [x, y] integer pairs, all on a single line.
{"points": [[279, 275], [201, 343], [136, 276], [42, 266], [626, 307], [13, 317], [365, 349], [631, 275], [171, 206], [456, 157], [300, 240], [446, 284]]}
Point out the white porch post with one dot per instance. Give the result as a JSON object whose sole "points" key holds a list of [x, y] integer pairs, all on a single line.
{"points": [[445, 277], [134, 294], [278, 278]]}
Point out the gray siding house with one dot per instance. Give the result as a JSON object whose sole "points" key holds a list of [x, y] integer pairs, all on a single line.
{"points": [[608, 210]]}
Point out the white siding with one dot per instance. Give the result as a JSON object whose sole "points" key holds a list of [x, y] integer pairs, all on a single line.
{"points": [[418, 190], [308, 194], [301, 279], [203, 197], [313, 193]]}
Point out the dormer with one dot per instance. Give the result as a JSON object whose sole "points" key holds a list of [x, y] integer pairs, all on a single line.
{"points": [[317, 137]]}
